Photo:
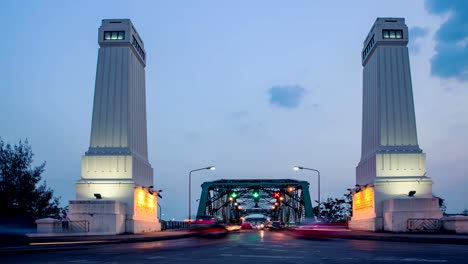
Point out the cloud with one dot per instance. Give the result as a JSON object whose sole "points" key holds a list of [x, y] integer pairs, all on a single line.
{"points": [[418, 32], [416, 35], [451, 57], [286, 96]]}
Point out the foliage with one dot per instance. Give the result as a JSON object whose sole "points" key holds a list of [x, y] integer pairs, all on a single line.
{"points": [[442, 204], [336, 209], [20, 187]]}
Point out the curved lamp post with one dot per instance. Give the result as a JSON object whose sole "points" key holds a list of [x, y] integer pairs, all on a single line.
{"points": [[318, 172], [190, 189]]}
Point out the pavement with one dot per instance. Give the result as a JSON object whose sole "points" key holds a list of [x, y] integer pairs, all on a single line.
{"points": [[66, 241], [342, 233]]}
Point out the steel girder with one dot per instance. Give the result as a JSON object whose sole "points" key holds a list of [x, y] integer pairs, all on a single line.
{"points": [[295, 205]]}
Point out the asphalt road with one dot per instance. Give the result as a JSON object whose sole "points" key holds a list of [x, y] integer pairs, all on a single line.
{"points": [[250, 247]]}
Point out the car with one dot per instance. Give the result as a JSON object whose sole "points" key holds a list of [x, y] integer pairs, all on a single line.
{"points": [[246, 225], [276, 225], [207, 226], [319, 229]]}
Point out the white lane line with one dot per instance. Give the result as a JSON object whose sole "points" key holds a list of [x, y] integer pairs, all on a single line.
{"points": [[82, 261], [261, 256], [411, 260], [155, 257]]}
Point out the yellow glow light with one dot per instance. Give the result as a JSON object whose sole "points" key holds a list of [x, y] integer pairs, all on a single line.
{"points": [[144, 200], [141, 197], [364, 199]]}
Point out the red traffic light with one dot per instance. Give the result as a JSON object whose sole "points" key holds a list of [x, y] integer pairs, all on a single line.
{"points": [[277, 194]]}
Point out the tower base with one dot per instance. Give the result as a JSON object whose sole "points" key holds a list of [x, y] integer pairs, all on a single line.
{"points": [[141, 226], [366, 224], [401, 215], [411, 214], [101, 216], [108, 217]]}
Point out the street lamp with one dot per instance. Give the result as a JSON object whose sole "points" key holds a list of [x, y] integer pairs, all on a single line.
{"points": [[190, 189], [318, 172]]}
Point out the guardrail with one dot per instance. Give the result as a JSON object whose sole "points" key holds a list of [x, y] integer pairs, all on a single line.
{"points": [[166, 225], [423, 225], [73, 227]]}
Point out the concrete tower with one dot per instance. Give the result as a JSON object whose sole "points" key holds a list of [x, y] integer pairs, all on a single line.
{"points": [[116, 177], [391, 176]]}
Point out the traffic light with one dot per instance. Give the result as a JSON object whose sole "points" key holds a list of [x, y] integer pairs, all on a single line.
{"points": [[234, 195], [276, 194], [256, 195]]}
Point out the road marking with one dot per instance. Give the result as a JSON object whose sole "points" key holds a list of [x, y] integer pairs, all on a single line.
{"points": [[411, 260], [156, 257], [82, 261], [261, 256]]}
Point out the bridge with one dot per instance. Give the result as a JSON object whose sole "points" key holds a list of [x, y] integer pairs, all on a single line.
{"points": [[283, 200]]}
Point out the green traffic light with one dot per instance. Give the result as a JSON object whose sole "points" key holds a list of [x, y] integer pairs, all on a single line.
{"points": [[256, 195], [234, 195]]}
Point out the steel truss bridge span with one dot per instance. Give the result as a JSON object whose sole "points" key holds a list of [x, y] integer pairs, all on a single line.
{"points": [[283, 200]]}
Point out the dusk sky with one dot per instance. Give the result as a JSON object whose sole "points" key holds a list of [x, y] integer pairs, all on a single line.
{"points": [[251, 87]]}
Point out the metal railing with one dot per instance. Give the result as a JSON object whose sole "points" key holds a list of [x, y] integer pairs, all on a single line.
{"points": [[73, 227], [166, 225], [423, 225]]}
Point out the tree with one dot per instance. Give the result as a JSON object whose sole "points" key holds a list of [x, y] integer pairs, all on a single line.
{"points": [[23, 194], [336, 209], [442, 204]]}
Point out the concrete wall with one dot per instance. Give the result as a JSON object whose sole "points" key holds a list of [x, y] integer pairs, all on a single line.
{"points": [[397, 212], [46, 225], [104, 217], [368, 224], [458, 224]]}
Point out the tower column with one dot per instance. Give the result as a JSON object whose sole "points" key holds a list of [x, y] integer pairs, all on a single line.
{"points": [[391, 183], [115, 190]]}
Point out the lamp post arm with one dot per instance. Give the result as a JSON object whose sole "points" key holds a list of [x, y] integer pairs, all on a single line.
{"points": [[197, 170], [190, 189], [318, 173]]}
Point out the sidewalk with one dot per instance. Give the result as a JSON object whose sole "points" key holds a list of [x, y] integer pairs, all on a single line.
{"points": [[64, 241], [341, 233], [84, 237]]}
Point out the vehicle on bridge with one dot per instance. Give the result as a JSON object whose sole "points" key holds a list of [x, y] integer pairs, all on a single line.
{"points": [[317, 228], [276, 225], [246, 225], [208, 226]]}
